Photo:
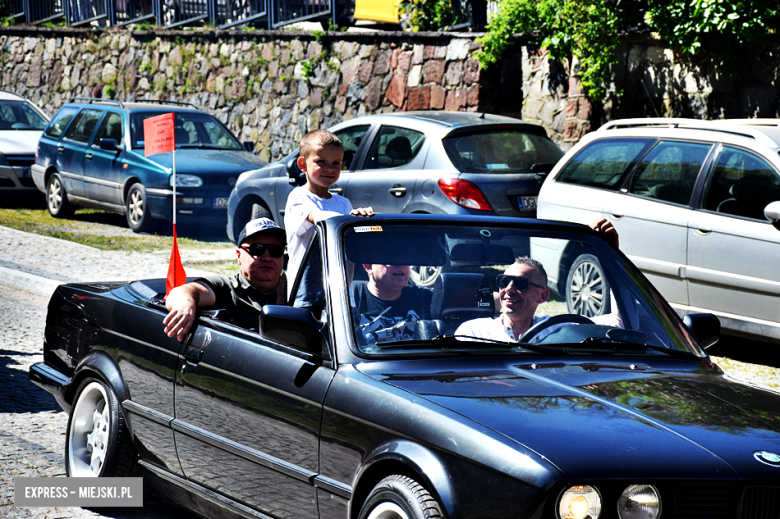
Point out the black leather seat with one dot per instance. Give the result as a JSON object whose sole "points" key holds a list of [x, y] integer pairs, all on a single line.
{"points": [[460, 297]]}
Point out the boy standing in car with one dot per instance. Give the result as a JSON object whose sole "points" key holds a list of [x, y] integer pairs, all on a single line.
{"points": [[322, 155]]}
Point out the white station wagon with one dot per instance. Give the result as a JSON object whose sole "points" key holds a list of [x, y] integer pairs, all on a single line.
{"points": [[697, 206]]}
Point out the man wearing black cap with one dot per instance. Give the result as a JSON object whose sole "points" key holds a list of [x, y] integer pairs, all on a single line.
{"points": [[260, 254]]}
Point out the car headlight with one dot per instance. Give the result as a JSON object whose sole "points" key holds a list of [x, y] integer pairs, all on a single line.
{"points": [[579, 502], [639, 502], [186, 181]]}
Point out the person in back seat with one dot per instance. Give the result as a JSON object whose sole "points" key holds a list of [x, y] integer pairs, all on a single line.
{"points": [[260, 251], [388, 307]]}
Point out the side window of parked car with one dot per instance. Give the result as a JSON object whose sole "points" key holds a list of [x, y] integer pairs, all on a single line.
{"points": [[394, 147], [742, 184], [110, 128], [351, 138], [604, 162], [61, 121], [669, 171], [82, 128]]}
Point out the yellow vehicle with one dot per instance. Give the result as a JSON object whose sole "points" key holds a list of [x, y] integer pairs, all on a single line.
{"points": [[377, 10]]}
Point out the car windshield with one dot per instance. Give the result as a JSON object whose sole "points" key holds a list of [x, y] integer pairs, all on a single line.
{"points": [[19, 115], [509, 150], [438, 289], [192, 130]]}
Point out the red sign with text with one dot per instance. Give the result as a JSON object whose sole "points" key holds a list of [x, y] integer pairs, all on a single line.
{"points": [[158, 135]]}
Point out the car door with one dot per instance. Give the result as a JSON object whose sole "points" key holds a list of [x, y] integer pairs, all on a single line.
{"points": [[389, 171], [733, 249], [103, 168], [248, 413], [652, 219], [73, 148]]}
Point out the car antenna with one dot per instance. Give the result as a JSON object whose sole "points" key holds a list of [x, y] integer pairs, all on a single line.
{"points": [[494, 96], [649, 98]]}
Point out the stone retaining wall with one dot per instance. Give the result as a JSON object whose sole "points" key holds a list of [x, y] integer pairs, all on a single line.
{"points": [[271, 87]]}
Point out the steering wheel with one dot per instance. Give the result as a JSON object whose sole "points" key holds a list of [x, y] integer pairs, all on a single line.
{"points": [[552, 321]]}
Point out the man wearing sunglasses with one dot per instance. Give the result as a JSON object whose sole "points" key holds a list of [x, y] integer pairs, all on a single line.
{"points": [[260, 252], [521, 289]]}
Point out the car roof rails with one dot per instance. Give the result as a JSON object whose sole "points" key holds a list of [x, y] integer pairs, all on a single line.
{"points": [[739, 127], [164, 102], [90, 100], [671, 122]]}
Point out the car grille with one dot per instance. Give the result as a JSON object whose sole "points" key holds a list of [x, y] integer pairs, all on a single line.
{"points": [[725, 501], [21, 161], [221, 180]]}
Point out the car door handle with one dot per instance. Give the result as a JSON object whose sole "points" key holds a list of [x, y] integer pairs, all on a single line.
{"points": [[88, 156], [398, 190], [335, 190], [193, 355], [61, 149], [615, 216], [703, 230]]}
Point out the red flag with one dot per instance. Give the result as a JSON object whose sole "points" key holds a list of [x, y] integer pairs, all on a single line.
{"points": [[159, 134], [176, 274]]}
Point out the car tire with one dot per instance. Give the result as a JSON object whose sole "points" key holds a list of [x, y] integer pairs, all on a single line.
{"points": [[137, 210], [97, 441], [400, 497], [587, 289], [57, 198], [258, 211]]}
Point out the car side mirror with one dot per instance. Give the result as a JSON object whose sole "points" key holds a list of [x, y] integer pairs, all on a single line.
{"points": [[294, 327], [249, 146], [109, 145], [772, 213], [294, 173], [705, 327]]}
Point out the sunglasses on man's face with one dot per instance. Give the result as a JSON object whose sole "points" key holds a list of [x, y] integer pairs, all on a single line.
{"points": [[520, 282], [258, 249]]}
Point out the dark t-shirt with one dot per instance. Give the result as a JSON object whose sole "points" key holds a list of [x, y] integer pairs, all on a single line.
{"points": [[239, 298], [380, 320]]}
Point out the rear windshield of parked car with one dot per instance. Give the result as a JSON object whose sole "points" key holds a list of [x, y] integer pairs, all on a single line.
{"points": [[603, 163], [192, 130], [509, 150], [19, 115]]}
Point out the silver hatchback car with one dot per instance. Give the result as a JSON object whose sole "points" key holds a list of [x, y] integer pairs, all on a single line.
{"points": [[417, 162], [21, 125], [697, 206]]}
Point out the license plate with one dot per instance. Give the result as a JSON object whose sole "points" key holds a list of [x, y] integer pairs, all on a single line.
{"points": [[220, 203], [526, 203]]}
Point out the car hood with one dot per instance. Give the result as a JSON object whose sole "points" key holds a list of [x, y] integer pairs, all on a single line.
{"points": [[209, 161], [19, 141], [608, 419]]}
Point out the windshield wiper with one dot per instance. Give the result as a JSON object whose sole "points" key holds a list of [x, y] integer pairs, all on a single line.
{"points": [[618, 346], [449, 341], [201, 146]]}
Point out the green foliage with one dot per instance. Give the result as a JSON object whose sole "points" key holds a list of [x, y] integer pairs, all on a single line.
{"points": [[109, 91], [585, 30], [307, 67], [7, 21], [318, 35], [720, 28], [143, 26], [429, 15]]}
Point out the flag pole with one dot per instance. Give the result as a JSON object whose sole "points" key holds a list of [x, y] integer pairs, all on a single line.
{"points": [[174, 188]]}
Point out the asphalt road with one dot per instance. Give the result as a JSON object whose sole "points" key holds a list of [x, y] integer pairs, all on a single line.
{"points": [[32, 425]]}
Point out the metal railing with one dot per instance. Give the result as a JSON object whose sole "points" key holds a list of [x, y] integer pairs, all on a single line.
{"points": [[222, 14]]}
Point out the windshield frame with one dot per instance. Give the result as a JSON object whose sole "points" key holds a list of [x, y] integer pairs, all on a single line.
{"points": [[629, 279]]}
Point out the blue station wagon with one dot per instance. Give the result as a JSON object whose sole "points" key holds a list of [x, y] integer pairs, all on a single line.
{"points": [[92, 155]]}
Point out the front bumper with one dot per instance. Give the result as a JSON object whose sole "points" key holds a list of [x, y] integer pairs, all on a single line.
{"points": [[16, 178], [192, 207], [56, 383]]}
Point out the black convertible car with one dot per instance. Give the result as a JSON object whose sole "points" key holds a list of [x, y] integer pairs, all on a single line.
{"points": [[320, 413]]}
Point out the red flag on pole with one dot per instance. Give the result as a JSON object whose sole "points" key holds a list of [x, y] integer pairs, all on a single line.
{"points": [[176, 274], [159, 135]]}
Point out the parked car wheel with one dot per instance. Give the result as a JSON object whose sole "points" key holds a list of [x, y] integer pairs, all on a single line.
{"points": [[97, 443], [587, 290], [425, 276], [57, 198], [258, 211], [400, 497], [137, 211]]}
